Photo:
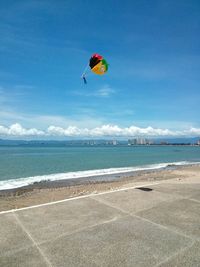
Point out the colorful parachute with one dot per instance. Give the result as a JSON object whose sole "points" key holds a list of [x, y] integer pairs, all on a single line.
{"points": [[97, 64]]}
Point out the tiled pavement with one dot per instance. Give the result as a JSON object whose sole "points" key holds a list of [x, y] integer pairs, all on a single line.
{"points": [[131, 227]]}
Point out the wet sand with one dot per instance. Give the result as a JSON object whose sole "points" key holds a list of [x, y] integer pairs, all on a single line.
{"points": [[47, 191]]}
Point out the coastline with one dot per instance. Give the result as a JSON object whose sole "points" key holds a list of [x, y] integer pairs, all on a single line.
{"points": [[49, 191], [97, 174]]}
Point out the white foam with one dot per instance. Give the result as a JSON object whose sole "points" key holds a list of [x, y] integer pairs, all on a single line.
{"points": [[20, 182]]}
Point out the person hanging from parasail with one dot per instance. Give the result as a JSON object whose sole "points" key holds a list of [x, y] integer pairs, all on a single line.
{"points": [[97, 64]]}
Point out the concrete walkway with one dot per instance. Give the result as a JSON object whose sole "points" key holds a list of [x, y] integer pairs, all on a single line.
{"points": [[129, 227]]}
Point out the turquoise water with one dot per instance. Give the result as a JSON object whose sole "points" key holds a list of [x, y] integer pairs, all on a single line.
{"points": [[18, 162]]}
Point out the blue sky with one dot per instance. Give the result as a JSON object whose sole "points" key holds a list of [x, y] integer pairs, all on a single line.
{"points": [[151, 88]]}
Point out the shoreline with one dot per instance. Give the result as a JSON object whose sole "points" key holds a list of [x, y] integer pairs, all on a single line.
{"points": [[98, 174], [48, 191], [95, 178]]}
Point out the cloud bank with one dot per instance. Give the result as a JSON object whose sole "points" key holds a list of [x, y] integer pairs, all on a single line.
{"points": [[16, 130]]}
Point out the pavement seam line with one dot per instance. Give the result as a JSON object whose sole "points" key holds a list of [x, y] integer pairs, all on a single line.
{"points": [[195, 200], [144, 219], [175, 254], [32, 240], [75, 198], [164, 227], [82, 229]]}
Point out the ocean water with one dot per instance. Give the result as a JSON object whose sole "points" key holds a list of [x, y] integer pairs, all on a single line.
{"points": [[21, 166]]}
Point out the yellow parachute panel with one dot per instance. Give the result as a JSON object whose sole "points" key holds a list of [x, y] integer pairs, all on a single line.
{"points": [[99, 68]]}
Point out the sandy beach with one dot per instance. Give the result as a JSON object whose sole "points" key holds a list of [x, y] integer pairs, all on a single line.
{"points": [[45, 192]]}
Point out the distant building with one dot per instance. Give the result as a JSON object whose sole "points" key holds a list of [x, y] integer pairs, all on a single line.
{"points": [[164, 143], [132, 142], [112, 142], [139, 141]]}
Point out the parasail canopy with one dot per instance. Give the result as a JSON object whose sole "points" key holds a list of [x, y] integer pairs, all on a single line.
{"points": [[97, 64]]}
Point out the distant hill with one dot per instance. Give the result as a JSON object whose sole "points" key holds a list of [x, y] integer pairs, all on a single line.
{"points": [[5, 142], [182, 140], [83, 142], [91, 142]]}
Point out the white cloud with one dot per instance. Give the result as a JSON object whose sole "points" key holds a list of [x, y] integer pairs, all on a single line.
{"points": [[105, 91], [9, 117], [16, 130], [193, 131], [59, 131]]}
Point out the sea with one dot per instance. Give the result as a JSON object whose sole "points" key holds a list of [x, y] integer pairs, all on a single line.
{"points": [[24, 165]]}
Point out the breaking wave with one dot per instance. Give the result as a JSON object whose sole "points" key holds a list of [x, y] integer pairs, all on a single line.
{"points": [[20, 182]]}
